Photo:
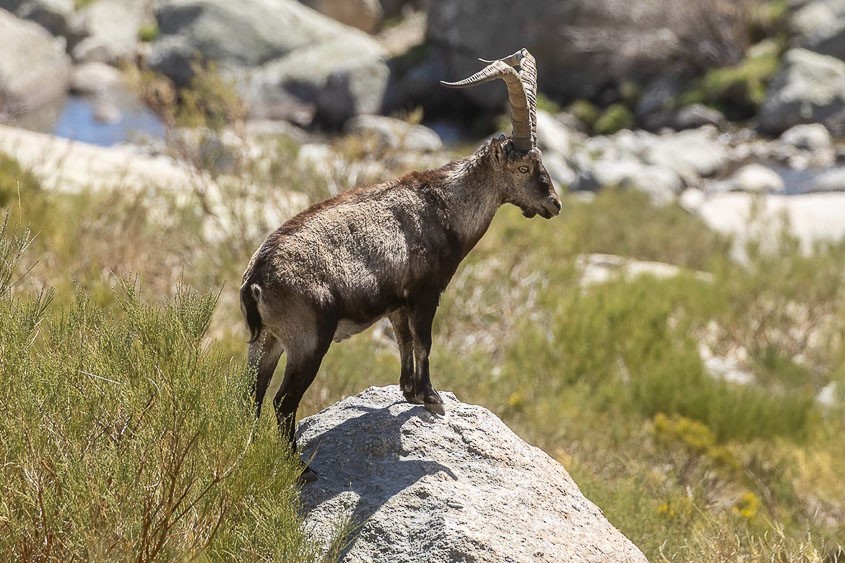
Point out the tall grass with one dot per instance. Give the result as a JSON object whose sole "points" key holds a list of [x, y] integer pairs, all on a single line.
{"points": [[126, 436]]}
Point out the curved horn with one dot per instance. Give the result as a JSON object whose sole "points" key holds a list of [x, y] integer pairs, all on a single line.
{"points": [[520, 99], [528, 74]]}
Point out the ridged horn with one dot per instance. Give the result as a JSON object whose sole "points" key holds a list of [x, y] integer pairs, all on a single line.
{"points": [[528, 74], [521, 93]]}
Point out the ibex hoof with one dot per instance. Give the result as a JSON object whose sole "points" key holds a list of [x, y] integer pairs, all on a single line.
{"points": [[411, 397], [436, 408], [308, 475]]}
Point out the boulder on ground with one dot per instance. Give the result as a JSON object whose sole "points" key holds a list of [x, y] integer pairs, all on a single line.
{"points": [[808, 88], [34, 68], [820, 27], [289, 61], [54, 15], [106, 31], [365, 15], [461, 487], [395, 133]]}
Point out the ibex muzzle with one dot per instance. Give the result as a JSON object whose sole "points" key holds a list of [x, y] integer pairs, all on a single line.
{"points": [[387, 250]]}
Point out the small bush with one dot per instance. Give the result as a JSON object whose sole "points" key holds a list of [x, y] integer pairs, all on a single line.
{"points": [[615, 118]]}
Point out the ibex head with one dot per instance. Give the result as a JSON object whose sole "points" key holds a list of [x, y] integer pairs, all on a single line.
{"points": [[517, 160]]}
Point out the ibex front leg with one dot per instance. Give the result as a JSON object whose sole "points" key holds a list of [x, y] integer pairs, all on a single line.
{"points": [[421, 317], [405, 341]]}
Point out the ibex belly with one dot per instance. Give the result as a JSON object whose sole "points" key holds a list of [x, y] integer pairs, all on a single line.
{"points": [[347, 328]]}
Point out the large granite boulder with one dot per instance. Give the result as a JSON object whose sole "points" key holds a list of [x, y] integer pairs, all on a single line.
{"points": [[365, 15], [52, 14], [34, 68], [462, 487], [808, 88], [106, 31], [288, 60], [583, 47], [820, 27]]}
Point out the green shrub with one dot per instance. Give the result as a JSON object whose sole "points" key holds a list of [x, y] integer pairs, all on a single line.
{"points": [[585, 111], [615, 118], [123, 436], [737, 90]]}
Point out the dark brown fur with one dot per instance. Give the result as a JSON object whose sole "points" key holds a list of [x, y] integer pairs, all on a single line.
{"points": [[383, 250]]}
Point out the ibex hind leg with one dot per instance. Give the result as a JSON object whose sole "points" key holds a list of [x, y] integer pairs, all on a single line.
{"points": [[263, 358], [300, 371]]}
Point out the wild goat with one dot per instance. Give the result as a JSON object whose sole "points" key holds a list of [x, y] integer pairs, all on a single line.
{"points": [[387, 250]]}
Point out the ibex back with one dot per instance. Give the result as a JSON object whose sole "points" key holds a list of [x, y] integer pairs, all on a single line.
{"points": [[387, 250]]}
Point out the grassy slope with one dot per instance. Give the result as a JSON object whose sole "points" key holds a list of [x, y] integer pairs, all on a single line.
{"points": [[127, 394]]}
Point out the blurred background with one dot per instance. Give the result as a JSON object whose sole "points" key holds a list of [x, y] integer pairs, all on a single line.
{"points": [[674, 339]]}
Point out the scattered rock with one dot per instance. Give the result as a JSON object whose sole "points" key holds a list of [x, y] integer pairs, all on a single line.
{"points": [[552, 135], [34, 68], [809, 217], [174, 57], [695, 116], [601, 268], [288, 61], [395, 133], [812, 137], [107, 31], [751, 178], [54, 15], [808, 88], [820, 27], [831, 180], [696, 151], [340, 77], [247, 33], [365, 15], [660, 183], [461, 487], [95, 78]]}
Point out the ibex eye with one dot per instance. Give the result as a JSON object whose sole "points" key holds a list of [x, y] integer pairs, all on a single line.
{"points": [[523, 169]]}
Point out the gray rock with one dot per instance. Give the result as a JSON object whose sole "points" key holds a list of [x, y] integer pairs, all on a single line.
{"points": [[342, 76], [95, 78], [694, 152], [365, 15], [289, 62], [553, 136], [108, 31], [34, 68], [247, 33], [54, 15], [581, 46], [751, 178], [174, 57], [395, 133], [809, 137], [660, 183], [694, 116], [820, 27], [808, 88], [462, 487], [831, 180]]}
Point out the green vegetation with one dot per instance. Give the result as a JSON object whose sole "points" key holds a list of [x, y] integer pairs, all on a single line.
{"points": [[615, 118], [148, 32], [737, 90], [126, 431]]}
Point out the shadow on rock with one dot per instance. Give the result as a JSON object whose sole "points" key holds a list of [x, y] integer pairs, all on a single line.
{"points": [[361, 461]]}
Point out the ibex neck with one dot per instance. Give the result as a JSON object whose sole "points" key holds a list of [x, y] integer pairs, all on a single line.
{"points": [[472, 199]]}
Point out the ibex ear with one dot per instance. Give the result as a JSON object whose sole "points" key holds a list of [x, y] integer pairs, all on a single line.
{"points": [[498, 150]]}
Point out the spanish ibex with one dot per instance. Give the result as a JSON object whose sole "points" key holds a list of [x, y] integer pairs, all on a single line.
{"points": [[387, 250]]}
